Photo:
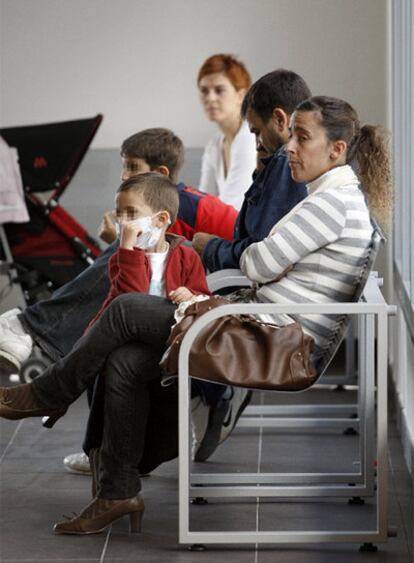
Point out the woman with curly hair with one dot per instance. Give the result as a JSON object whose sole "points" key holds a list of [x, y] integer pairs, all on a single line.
{"points": [[317, 252]]}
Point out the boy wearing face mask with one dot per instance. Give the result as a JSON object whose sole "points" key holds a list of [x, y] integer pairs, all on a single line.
{"points": [[150, 260]]}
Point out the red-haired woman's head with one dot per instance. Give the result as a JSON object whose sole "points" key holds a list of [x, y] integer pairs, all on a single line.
{"points": [[223, 82], [228, 65]]}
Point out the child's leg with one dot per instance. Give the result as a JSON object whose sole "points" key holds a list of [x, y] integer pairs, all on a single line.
{"points": [[56, 324]]}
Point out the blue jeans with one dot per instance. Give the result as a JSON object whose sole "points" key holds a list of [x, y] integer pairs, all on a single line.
{"points": [[55, 324], [125, 345]]}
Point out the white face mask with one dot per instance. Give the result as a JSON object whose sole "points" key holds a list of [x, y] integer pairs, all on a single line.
{"points": [[150, 235]]}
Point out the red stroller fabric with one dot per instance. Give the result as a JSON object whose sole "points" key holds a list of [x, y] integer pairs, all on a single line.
{"points": [[52, 248]]}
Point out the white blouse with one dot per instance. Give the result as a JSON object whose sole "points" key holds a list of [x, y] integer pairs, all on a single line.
{"points": [[230, 188]]}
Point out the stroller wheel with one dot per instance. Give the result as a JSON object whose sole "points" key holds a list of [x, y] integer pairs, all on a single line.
{"points": [[32, 368]]}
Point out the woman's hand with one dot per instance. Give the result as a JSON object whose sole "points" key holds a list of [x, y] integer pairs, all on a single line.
{"points": [[106, 230], [180, 294]]}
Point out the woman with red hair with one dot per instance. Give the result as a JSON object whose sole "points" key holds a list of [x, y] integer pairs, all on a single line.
{"points": [[229, 158]]}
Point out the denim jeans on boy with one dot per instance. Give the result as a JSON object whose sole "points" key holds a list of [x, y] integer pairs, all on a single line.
{"points": [[125, 346], [55, 324]]}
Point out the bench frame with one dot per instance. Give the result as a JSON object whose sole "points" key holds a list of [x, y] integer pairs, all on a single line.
{"points": [[373, 328]]}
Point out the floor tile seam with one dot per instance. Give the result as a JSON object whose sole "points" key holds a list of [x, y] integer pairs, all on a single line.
{"points": [[16, 430], [259, 463], [404, 526], [102, 559], [400, 508]]}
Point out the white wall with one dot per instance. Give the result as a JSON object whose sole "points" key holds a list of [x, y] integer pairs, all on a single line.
{"points": [[402, 284], [136, 61]]}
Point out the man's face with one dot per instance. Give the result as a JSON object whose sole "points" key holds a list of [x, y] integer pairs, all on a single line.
{"points": [[132, 166], [268, 138]]}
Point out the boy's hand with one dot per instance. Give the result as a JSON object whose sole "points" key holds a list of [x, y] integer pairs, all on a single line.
{"points": [[129, 234], [106, 230], [200, 241], [180, 294]]}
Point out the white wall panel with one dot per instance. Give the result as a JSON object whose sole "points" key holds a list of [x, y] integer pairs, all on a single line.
{"points": [[136, 60]]}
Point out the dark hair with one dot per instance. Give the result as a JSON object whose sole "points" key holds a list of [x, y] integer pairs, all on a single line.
{"points": [[158, 192], [278, 89], [367, 147], [158, 147], [231, 67]]}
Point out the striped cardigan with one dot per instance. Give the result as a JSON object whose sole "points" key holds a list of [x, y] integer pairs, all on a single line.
{"points": [[319, 249]]}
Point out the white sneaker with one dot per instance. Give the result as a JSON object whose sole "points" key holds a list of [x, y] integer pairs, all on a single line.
{"points": [[77, 463], [15, 343], [238, 401], [221, 420]]}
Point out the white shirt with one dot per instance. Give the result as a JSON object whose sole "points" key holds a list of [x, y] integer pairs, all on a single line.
{"points": [[157, 261], [230, 188]]}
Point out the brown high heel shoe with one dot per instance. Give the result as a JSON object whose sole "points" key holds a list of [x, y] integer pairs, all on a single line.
{"points": [[100, 513], [20, 402]]}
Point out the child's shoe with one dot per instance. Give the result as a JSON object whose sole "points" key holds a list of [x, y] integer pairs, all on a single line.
{"points": [[77, 463], [15, 343]]}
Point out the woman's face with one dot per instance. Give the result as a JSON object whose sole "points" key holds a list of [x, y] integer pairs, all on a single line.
{"points": [[219, 97], [309, 150]]}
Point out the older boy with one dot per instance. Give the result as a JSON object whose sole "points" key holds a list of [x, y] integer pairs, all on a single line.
{"points": [[267, 108], [76, 303]]}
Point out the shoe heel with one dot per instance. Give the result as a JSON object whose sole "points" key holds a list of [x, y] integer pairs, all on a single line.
{"points": [[135, 521], [50, 421]]}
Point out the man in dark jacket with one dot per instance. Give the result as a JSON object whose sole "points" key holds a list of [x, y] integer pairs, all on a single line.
{"points": [[267, 107]]}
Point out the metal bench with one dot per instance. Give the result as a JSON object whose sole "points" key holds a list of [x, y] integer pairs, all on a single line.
{"points": [[372, 313]]}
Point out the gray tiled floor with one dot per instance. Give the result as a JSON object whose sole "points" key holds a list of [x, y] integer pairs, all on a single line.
{"points": [[35, 492]]}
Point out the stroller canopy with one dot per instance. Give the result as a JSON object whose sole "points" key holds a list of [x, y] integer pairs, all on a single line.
{"points": [[50, 154]]}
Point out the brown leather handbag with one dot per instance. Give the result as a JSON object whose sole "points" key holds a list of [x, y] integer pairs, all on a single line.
{"points": [[239, 350]]}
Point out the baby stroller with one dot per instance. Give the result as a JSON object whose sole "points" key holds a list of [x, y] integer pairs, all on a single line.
{"points": [[52, 248]]}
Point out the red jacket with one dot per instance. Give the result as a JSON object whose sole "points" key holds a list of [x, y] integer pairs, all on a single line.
{"points": [[130, 271], [199, 212]]}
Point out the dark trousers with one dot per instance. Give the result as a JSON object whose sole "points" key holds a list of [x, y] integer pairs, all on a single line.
{"points": [[125, 346]]}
